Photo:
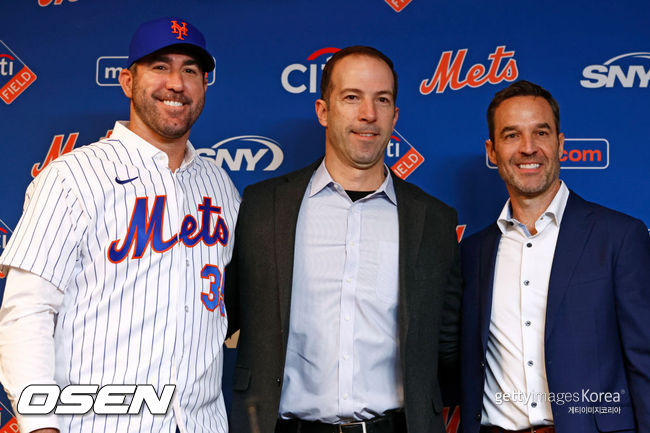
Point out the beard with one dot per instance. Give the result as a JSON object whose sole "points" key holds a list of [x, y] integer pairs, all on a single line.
{"points": [[168, 125]]}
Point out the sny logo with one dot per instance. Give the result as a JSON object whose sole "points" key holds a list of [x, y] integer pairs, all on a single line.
{"points": [[398, 5], [293, 76], [581, 153], [625, 73], [15, 76], [251, 148], [448, 72], [179, 30]]}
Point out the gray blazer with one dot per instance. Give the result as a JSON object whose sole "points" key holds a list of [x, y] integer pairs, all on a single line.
{"points": [[258, 295]]}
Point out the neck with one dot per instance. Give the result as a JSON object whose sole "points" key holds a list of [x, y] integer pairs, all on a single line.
{"points": [[527, 210], [353, 178], [173, 147]]}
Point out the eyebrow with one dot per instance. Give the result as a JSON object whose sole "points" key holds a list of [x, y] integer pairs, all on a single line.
{"points": [[543, 125], [381, 92]]}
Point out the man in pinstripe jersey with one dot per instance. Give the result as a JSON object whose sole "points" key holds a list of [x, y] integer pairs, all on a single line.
{"points": [[115, 268]]}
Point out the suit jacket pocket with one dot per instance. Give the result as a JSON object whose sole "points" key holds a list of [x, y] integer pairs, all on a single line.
{"points": [[241, 379]]}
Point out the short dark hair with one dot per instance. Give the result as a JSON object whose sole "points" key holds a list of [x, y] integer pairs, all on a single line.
{"points": [[360, 50], [521, 88]]}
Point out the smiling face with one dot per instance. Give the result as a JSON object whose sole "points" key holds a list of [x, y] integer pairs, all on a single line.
{"points": [[527, 147], [359, 115], [167, 92]]}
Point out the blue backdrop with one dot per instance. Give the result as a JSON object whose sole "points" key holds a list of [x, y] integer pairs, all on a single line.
{"points": [[59, 61]]}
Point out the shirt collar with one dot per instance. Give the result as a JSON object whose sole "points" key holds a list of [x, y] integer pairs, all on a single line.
{"points": [[322, 179], [130, 139], [553, 213]]}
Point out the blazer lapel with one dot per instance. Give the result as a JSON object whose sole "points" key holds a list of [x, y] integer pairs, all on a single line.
{"points": [[572, 238], [287, 201], [487, 262], [411, 215]]}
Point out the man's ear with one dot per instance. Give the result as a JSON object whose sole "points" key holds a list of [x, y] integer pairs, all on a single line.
{"points": [[321, 111], [126, 82], [489, 150]]}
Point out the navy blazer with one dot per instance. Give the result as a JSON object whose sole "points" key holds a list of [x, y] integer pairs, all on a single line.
{"points": [[596, 340]]}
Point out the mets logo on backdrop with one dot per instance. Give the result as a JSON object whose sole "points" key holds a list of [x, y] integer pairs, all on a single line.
{"points": [[398, 5], [401, 156], [580, 153], [43, 3], [501, 67], [300, 77], [253, 151], [15, 76], [627, 70]]}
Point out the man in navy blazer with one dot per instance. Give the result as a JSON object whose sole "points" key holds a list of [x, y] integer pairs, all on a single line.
{"points": [[557, 293]]}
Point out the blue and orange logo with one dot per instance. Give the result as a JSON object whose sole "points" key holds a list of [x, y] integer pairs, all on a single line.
{"points": [[15, 76]]}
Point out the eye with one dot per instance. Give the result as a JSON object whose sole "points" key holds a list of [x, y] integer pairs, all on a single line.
{"points": [[384, 100], [351, 97], [542, 133], [159, 67], [190, 70]]}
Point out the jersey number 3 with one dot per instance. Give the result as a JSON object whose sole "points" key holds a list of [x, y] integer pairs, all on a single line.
{"points": [[213, 299]]}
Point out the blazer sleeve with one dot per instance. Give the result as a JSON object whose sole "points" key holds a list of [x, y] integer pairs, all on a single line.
{"points": [[231, 279], [632, 288]]}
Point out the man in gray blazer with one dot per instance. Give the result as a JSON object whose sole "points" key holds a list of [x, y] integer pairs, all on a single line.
{"points": [[345, 280]]}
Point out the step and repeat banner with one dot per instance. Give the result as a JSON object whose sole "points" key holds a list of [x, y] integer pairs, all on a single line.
{"points": [[60, 59]]}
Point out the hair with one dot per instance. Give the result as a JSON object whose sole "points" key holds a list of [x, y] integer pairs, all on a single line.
{"points": [[521, 88], [359, 50]]}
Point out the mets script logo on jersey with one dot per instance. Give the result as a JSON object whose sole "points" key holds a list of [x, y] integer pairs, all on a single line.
{"points": [[402, 156], [398, 5], [251, 149], [448, 72], [296, 77], [15, 76], [627, 70], [580, 153], [145, 230], [179, 30], [108, 68]]}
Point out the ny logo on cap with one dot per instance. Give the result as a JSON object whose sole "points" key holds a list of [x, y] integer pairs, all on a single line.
{"points": [[178, 30]]}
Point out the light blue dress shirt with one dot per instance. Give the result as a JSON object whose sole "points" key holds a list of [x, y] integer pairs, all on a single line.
{"points": [[342, 359]]}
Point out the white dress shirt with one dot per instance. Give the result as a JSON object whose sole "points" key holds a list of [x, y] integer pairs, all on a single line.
{"points": [[342, 355], [515, 394]]}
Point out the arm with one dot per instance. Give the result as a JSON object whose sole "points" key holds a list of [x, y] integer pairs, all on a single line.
{"points": [[632, 286], [27, 320], [449, 367]]}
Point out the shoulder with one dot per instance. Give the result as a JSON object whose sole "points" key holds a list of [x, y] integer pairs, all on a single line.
{"points": [[299, 176], [408, 190], [610, 219]]}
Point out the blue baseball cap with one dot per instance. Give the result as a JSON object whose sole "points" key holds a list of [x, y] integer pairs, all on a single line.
{"points": [[167, 32]]}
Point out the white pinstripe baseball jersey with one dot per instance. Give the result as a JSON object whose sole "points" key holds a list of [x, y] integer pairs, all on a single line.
{"points": [[139, 253]]}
